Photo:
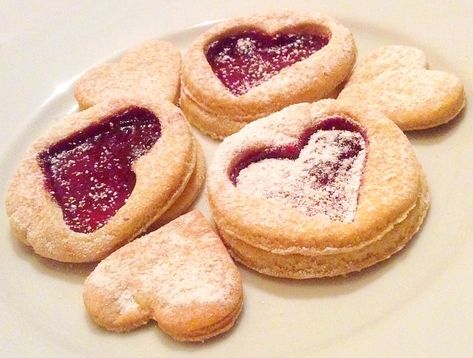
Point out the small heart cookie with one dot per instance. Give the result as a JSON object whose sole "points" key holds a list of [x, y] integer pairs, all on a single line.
{"points": [[102, 176], [180, 276], [395, 79], [317, 190], [246, 68], [150, 70]]}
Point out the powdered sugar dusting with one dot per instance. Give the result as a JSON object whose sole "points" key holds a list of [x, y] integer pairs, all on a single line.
{"points": [[324, 179], [182, 265], [193, 278], [126, 302]]}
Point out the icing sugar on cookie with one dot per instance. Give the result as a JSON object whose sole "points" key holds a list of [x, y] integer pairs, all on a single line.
{"points": [[317, 190], [395, 80], [249, 67], [180, 276]]}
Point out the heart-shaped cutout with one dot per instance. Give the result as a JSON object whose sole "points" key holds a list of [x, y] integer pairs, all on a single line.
{"points": [[321, 174], [249, 67], [100, 177], [181, 276], [150, 70], [90, 173], [245, 60], [396, 81]]}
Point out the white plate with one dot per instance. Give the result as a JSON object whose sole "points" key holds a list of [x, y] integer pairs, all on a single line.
{"points": [[417, 303]]}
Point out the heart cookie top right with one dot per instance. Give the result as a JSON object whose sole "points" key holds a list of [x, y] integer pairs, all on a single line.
{"points": [[396, 80]]}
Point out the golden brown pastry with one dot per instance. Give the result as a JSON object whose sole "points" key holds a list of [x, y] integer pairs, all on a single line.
{"points": [[148, 70], [317, 190], [188, 195], [180, 276], [246, 68], [396, 81], [100, 177]]}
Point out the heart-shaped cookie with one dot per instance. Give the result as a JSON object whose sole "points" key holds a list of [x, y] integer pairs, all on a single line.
{"points": [[317, 190], [319, 175], [100, 177], [150, 70], [395, 79], [180, 276], [242, 69]]}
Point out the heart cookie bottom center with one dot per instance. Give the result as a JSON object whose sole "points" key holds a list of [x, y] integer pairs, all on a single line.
{"points": [[319, 175]]}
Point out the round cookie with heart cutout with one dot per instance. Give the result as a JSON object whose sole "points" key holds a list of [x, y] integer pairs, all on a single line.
{"points": [[317, 190], [249, 67], [101, 177]]}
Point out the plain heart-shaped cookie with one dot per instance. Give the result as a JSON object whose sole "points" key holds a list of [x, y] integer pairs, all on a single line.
{"points": [[395, 79], [150, 70], [248, 67], [317, 190], [180, 276]]}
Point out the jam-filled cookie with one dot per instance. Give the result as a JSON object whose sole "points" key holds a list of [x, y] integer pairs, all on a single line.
{"points": [[100, 177], [150, 70], [180, 276], [317, 190], [395, 79], [249, 67]]}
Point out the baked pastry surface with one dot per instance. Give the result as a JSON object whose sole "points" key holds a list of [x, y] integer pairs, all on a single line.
{"points": [[161, 174], [317, 190], [180, 276], [219, 110], [395, 79], [150, 70]]}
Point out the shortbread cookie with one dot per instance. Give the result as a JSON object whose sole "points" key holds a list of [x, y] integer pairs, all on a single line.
{"points": [[100, 177], [180, 276], [317, 190], [150, 70], [249, 67], [395, 79]]}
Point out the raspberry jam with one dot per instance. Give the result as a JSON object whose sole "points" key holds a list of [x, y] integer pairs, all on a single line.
{"points": [[319, 174], [90, 174], [244, 61]]}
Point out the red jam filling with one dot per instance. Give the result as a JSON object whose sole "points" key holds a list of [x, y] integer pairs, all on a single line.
{"points": [[350, 149], [244, 61], [90, 174]]}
